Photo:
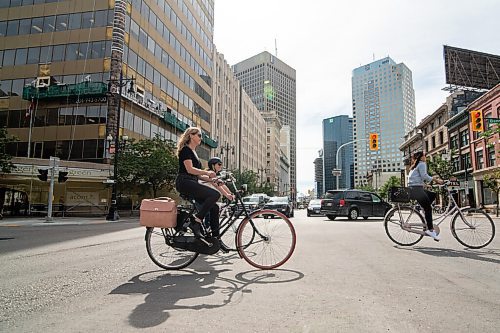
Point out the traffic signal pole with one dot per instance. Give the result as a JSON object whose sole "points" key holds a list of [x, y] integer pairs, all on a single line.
{"points": [[51, 194], [338, 171]]}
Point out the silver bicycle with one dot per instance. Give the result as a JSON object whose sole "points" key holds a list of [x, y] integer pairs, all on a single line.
{"points": [[405, 225]]}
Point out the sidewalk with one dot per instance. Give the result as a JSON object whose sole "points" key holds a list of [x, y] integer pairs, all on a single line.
{"points": [[41, 221]]}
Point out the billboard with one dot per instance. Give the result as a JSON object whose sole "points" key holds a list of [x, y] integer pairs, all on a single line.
{"points": [[472, 69]]}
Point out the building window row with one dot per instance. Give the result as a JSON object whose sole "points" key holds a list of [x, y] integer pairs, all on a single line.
{"points": [[54, 53], [63, 116], [61, 22]]}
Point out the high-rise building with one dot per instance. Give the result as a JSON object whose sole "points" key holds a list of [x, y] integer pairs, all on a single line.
{"points": [[336, 132], [383, 102], [318, 175], [271, 85], [237, 125], [63, 65]]}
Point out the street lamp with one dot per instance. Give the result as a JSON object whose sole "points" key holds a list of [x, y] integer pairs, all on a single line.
{"points": [[227, 148], [113, 209]]}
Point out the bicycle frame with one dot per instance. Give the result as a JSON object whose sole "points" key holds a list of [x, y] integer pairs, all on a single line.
{"points": [[450, 210]]}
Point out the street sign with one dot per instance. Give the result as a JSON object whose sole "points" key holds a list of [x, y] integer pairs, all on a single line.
{"points": [[493, 120]]}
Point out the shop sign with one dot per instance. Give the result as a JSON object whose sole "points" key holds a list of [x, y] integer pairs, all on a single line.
{"points": [[75, 198]]}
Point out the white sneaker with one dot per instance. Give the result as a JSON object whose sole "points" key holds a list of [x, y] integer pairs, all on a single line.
{"points": [[433, 235]]}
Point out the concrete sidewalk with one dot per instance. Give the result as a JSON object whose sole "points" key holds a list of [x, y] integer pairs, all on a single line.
{"points": [[41, 221]]}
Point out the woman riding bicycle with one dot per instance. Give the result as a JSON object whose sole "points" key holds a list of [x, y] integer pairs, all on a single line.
{"points": [[190, 170], [416, 181]]}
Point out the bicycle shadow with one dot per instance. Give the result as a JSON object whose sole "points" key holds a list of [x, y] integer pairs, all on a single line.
{"points": [[480, 255], [168, 291]]}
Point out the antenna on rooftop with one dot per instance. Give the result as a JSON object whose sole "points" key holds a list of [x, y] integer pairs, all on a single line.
{"points": [[275, 48]]}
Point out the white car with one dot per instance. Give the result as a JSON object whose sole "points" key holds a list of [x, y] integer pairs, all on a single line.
{"points": [[314, 207]]}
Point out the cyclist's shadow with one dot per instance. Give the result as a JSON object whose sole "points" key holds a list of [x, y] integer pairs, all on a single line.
{"points": [[485, 255], [170, 290]]}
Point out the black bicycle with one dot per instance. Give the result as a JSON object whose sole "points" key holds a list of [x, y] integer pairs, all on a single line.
{"points": [[264, 238]]}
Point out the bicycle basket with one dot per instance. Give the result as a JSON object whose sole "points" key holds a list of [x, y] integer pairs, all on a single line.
{"points": [[399, 194]]}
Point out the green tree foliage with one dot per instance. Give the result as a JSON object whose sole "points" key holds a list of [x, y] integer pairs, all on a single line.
{"points": [[391, 182], [368, 188], [150, 164], [439, 166], [492, 181], [248, 177], [6, 164]]}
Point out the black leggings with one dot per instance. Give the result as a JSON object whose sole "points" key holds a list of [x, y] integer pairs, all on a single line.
{"points": [[424, 199], [204, 195]]}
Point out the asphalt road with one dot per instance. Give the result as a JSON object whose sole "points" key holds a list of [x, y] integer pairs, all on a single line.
{"points": [[343, 277]]}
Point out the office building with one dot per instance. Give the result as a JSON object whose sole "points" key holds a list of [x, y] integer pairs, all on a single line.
{"points": [[271, 85], [63, 67], [383, 102], [336, 132]]}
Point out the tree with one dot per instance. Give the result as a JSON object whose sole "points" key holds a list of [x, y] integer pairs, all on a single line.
{"points": [[248, 177], [150, 164], [6, 164], [368, 188], [441, 167], [391, 182], [492, 181]]}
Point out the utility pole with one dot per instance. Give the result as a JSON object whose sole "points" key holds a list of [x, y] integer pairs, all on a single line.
{"points": [[53, 165]]}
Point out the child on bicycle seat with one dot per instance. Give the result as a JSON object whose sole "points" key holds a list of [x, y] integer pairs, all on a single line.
{"points": [[215, 165], [190, 170], [416, 181]]}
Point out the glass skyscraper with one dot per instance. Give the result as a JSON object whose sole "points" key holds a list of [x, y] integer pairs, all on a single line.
{"points": [[337, 131], [383, 102]]}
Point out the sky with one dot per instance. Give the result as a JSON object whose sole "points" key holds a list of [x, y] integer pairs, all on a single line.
{"points": [[324, 40]]}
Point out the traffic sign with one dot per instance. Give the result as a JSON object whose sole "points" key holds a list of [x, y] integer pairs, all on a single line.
{"points": [[493, 120]]}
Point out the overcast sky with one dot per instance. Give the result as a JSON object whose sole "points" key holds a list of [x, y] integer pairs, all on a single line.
{"points": [[324, 40]]}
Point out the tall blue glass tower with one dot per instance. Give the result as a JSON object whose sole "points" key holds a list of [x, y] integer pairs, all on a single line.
{"points": [[337, 131]]}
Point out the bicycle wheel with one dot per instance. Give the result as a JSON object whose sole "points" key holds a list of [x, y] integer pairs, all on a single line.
{"points": [[266, 239], [410, 219], [164, 255], [476, 231]]}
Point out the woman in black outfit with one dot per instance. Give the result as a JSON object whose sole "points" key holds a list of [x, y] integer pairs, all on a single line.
{"points": [[189, 170]]}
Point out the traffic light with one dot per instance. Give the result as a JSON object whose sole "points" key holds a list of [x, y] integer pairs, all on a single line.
{"points": [[63, 176], [477, 121], [43, 174], [373, 141]]}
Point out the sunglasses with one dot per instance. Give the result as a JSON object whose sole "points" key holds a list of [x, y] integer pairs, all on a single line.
{"points": [[219, 164]]}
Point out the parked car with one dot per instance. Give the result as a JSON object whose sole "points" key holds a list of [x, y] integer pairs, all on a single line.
{"points": [[314, 207], [353, 204], [252, 203], [280, 204]]}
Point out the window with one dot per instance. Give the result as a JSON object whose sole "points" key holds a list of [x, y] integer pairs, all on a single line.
{"points": [[454, 142], [58, 52], [24, 26], [491, 156], [455, 162], [75, 21], [62, 22], [36, 25], [479, 160], [71, 52], [464, 138], [12, 28], [87, 20], [33, 55], [49, 23]]}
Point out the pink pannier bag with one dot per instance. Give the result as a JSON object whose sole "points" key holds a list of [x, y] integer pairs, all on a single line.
{"points": [[159, 212]]}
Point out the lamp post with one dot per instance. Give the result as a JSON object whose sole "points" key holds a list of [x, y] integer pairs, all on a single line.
{"points": [[113, 209], [227, 148]]}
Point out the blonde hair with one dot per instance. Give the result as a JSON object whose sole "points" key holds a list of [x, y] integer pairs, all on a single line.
{"points": [[185, 137]]}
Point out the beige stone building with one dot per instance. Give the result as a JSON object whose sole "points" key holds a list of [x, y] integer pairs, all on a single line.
{"points": [[240, 135]]}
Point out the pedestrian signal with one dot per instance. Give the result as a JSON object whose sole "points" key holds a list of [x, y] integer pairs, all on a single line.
{"points": [[373, 141], [63, 176], [43, 174], [477, 121]]}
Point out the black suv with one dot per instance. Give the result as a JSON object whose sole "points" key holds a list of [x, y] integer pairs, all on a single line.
{"points": [[353, 203]]}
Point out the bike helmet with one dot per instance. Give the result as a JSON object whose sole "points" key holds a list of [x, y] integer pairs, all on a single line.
{"points": [[213, 161]]}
